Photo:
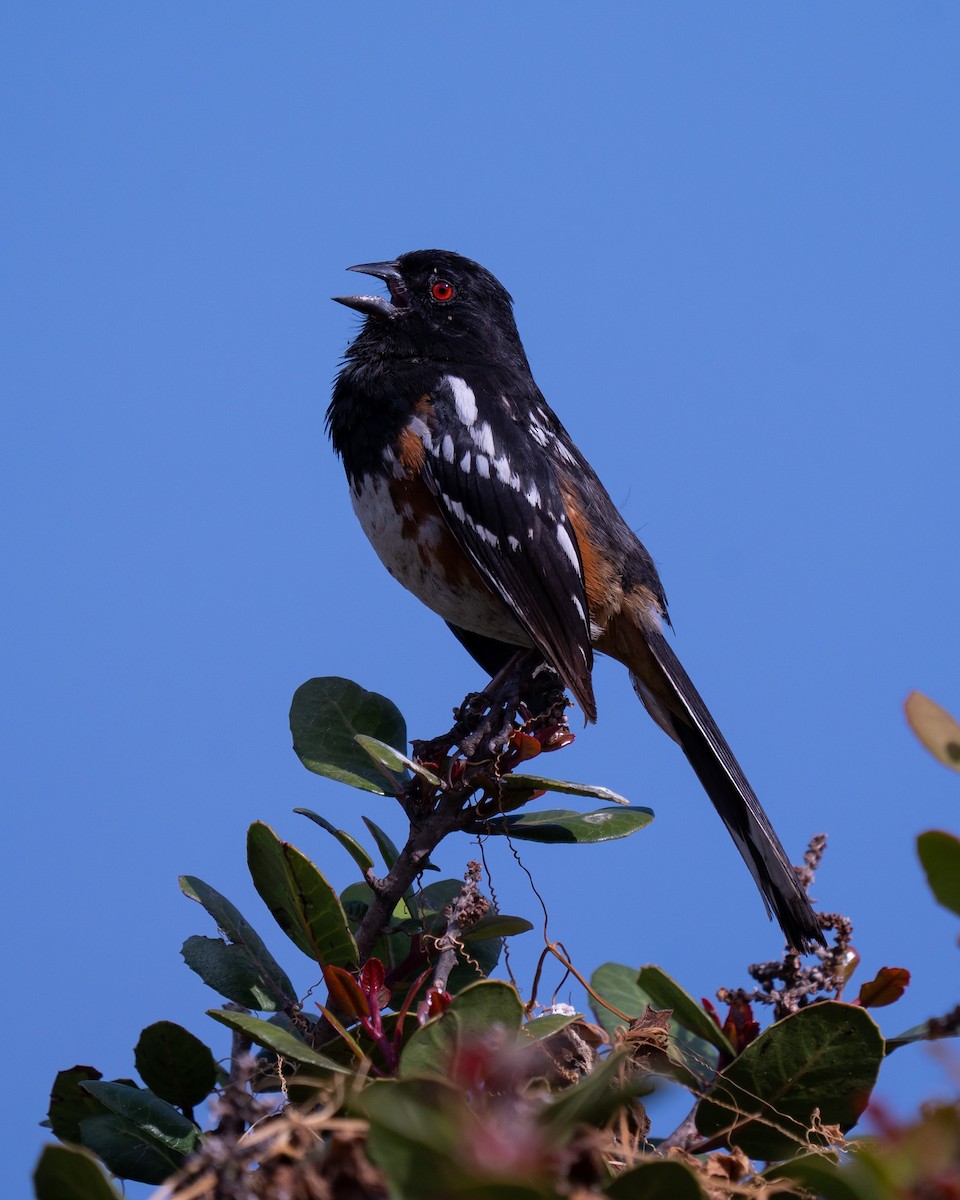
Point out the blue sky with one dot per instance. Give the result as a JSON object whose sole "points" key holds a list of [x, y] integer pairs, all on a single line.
{"points": [[731, 235]]}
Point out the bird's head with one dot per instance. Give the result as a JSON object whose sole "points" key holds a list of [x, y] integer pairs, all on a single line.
{"points": [[441, 306]]}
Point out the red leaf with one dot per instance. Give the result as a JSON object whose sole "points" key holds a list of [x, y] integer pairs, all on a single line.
{"points": [[711, 1011], [371, 976], [526, 747], [345, 992], [740, 1027], [889, 985], [555, 737], [433, 1005]]}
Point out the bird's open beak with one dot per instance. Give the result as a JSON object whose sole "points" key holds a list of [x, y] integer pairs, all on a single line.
{"points": [[379, 306]]}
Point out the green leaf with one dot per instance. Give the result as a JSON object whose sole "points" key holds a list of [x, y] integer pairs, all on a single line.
{"points": [[230, 971], [327, 714], [391, 948], [925, 1032], [474, 964], [142, 1137], [534, 783], [271, 979], [302, 902], [655, 1181], [432, 1049], [142, 1107], [427, 908], [495, 925], [70, 1173], [940, 855], [823, 1057], [549, 1024], [279, 1040], [69, 1103], [385, 844], [935, 728], [565, 825], [415, 1134], [428, 903], [357, 896], [275, 1071], [485, 1004], [665, 992], [824, 1178], [393, 761], [175, 1065], [619, 985], [351, 845], [130, 1150]]}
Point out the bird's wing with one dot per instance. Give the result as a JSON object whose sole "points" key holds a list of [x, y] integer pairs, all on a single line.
{"points": [[503, 505]]}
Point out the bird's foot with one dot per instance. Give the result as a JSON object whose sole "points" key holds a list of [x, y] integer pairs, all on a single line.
{"points": [[525, 693]]}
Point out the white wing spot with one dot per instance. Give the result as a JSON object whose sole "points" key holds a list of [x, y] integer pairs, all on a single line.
{"points": [[487, 535], [465, 463], [539, 435], [484, 438], [456, 508], [447, 447], [512, 542], [504, 473], [418, 426], [579, 607], [533, 495], [464, 399], [483, 466], [568, 547]]}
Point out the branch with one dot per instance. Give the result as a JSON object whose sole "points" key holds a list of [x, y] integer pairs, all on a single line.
{"points": [[424, 838], [465, 911], [483, 726]]}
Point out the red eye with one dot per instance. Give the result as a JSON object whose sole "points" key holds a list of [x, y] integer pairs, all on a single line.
{"points": [[441, 290]]}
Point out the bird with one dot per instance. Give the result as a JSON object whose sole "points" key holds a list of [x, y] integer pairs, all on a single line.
{"points": [[477, 500]]}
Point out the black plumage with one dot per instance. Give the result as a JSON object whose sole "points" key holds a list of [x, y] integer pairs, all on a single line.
{"points": [[478, 501]]}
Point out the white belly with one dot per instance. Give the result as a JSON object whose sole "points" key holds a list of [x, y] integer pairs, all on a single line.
{"points": [[462, 602]]}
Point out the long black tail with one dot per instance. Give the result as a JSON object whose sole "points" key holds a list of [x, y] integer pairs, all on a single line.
{"points": [[677, 707]]}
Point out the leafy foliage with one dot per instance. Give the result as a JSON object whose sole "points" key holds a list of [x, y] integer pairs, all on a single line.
{"points": [[825, 1058], [419, 1075], [940, 855], [326, 717], [559, 825]]}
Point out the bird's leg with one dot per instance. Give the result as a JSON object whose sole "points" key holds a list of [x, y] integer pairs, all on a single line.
{"points": [[501, 701], [506, 683]]}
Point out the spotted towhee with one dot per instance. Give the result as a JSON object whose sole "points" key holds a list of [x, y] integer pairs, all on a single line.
{"points": [[476, 499]]}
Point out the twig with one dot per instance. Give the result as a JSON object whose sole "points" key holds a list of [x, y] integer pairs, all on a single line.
{"points": [[685, 1135], [483, 725], [466, 910], [233, 1117]]}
